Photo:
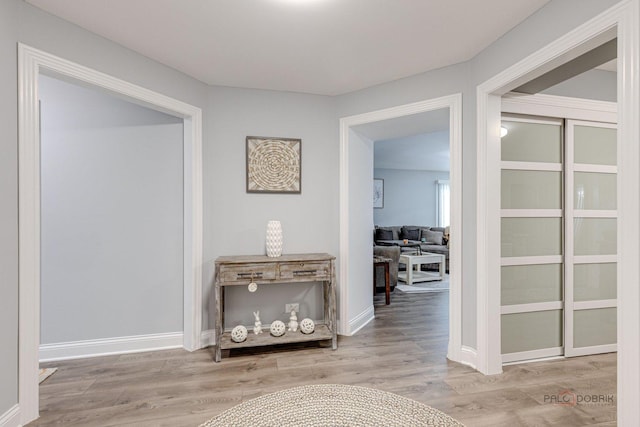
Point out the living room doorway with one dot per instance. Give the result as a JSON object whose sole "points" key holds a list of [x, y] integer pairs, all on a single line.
{"points": [[357, 217], [411, 165]]}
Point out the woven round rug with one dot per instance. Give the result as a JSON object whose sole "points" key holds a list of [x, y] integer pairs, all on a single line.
{"points": [[331, 405]]}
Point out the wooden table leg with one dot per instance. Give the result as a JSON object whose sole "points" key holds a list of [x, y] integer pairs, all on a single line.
{"points": [[375, 265], [387, 285]]}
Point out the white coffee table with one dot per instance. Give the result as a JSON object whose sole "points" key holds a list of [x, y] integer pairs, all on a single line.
{"points": [[413, 274]]}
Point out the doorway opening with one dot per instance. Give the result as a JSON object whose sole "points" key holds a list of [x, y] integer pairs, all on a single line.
{"points": [[411, 169], [357, 219], [111, 254], [31, 63], [620, 21]]}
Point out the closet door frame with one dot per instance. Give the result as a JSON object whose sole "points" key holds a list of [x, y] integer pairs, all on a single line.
{"points": [[571, 213], [561, 107], [537, 260]]}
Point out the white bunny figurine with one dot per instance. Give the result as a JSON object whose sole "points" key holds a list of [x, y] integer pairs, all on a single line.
{"points": [[293, 321], [257, 326]]}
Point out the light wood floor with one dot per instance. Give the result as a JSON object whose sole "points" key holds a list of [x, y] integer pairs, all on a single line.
{"points": [[403, 351]]}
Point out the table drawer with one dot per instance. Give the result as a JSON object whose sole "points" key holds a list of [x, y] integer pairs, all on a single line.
{"points": [[247, 272], [305, 270]]}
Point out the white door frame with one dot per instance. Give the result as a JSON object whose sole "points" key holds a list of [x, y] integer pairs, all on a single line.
{"points": [[623, 21], [30, 63], [454, 103]]}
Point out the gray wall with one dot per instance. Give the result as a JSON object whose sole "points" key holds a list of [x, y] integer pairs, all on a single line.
{"points": [[8, 207], [310, 220], [235, 222], [409, 197], [111, 216]]}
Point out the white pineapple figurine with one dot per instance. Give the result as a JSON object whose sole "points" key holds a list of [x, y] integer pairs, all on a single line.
{"points": [[293, 321], [257, 326]]}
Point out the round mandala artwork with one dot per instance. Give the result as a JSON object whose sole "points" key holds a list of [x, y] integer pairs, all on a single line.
{"points": [[277, 328], [239, 333], [273, 165]]}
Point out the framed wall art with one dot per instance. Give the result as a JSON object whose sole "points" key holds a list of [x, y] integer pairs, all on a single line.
{"points": [[274, 165], [378, 193]]}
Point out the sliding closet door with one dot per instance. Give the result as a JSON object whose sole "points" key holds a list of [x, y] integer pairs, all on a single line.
{"points": [[532, 238], [591, 238]]}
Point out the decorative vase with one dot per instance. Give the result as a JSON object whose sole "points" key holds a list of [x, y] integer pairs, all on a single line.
{"points": [[274, 239]]}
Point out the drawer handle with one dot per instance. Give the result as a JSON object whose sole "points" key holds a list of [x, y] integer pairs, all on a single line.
{"points": [[304, 272], [250, 275]]}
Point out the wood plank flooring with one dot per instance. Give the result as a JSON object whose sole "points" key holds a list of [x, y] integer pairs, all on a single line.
{"points": [[403, 351]]}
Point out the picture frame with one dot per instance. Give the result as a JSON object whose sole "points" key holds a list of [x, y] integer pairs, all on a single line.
{"points": [[378, 193], [274, 165]]}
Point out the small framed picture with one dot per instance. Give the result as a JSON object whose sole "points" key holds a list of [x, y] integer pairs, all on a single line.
{"points": [[378, 193], [274, 165]]}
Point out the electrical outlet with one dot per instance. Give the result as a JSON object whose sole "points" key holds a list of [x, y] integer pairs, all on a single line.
{"points": [[292, 306]]}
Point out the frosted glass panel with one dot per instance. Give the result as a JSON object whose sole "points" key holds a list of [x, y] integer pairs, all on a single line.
{"points": [[532, 142], [594, 145], [531, 331], [531, 236], [593, 282], [594, 191], [531, 190], [594, 327], [595, 236], [526, 284]]}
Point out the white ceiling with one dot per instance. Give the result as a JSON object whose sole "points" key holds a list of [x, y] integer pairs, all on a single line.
{"points": [[415, 142], [400, 127], [314, 46], [428, 151]]}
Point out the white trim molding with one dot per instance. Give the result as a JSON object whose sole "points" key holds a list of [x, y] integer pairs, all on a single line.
{"points": [[11, 418], [621, 21], [532, 355], [559, 106], [361, 320], [109, 346], [454, 104], [30, 63], [207, 338], [468, 356]]}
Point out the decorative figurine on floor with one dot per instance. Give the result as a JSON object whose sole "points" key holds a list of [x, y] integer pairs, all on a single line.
{"points": [[257, 326], [277, 328], [239, 333], [293, 321], [307, 326]]}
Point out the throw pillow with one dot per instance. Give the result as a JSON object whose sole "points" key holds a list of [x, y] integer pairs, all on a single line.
{"points": [[433, 237], [384, 234], [410, 233]]}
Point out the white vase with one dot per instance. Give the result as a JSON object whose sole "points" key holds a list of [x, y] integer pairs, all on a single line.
{"points": [[274, 239]]}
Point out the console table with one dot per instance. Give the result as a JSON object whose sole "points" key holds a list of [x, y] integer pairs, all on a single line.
{"points": [[263, 270]]}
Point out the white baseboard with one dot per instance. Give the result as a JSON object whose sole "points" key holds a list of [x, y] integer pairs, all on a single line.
{"points": [[207, 338], [468, 356], [107, 346], [11, 418], [360, 321]]}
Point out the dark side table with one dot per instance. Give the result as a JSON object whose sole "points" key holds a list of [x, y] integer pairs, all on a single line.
{"points": [[380, 261]]}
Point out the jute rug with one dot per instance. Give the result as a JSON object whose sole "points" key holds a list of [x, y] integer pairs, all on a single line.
{"points": [[422, 287], [331, 405]]}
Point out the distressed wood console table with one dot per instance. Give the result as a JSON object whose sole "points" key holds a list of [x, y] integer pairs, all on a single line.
{"points": [[290, 268]]}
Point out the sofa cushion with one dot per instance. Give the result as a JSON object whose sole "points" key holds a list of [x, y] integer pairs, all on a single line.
{"points": [[434, 237], [384, 234], [410, 233]]}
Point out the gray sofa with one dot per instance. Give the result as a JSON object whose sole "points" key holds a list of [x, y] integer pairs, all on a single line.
{"points": [[430, 239]]}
